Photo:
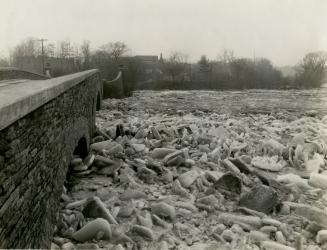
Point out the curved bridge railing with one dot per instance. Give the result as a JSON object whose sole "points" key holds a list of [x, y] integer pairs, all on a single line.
{"points": [[114, 88], [9, 73]]}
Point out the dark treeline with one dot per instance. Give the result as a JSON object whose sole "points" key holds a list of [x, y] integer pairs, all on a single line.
{"points": [[174, 72], [229, 72]]}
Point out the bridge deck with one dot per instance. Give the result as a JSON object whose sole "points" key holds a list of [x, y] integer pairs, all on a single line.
{"points": [[4, 83], [19, 97]]}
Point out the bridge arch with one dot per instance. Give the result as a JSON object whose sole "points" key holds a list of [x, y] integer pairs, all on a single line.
{"points": [[81, 148], [98, 102]]}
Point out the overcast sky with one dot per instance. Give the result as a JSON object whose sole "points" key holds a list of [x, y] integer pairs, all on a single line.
{"points": [[281, 30]]}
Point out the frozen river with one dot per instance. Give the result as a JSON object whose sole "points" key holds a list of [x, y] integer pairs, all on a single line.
{"points": [[235, 102]]}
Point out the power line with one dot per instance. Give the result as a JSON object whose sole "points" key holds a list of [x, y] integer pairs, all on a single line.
{"points": [[42, 40]]}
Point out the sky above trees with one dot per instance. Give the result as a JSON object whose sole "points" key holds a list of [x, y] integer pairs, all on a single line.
{"points": [[281, 30]]}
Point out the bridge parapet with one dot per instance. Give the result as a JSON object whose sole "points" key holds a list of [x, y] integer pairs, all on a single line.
{"points": [[41, 124], [15, 73], [17, 100]]}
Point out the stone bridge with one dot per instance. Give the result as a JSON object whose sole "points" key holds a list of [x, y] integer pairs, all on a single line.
{"points": [[42, 124], [9, 73]]}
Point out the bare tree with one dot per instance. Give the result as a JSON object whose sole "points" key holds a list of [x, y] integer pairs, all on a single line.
{"points": [[64, 49], [175, 65], [226, 56], [115, 50], [118, 49], [86, 53], [28, 47], [311, 70], [50, 50], [4, 62], [24, 54]]}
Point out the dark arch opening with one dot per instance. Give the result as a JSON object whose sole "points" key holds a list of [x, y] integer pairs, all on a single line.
{"points": [[81, 152], [98, 106], [81, 149]]}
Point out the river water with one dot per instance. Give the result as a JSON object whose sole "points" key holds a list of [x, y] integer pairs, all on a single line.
{"points": [[231, 102]]}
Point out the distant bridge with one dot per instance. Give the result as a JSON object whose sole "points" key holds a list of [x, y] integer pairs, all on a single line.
{"points": [[10, 73], [43, 122]]}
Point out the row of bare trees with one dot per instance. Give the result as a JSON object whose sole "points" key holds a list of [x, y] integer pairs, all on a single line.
{"points": [[65, 49], [64, 57], [226, 72], [230, 72]]}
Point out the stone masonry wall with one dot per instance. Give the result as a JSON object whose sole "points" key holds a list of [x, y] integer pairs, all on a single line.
{"points": [[35, 152]]}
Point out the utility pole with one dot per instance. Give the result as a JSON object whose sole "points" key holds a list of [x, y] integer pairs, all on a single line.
{"points": [[42, 40]]}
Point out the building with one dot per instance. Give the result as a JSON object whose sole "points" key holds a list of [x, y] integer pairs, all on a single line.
{"points": [[151, 66]]}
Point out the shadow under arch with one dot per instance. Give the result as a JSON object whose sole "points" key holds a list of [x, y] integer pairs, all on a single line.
{"points": [[80, 151], [81, 148], [98, 103]]}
